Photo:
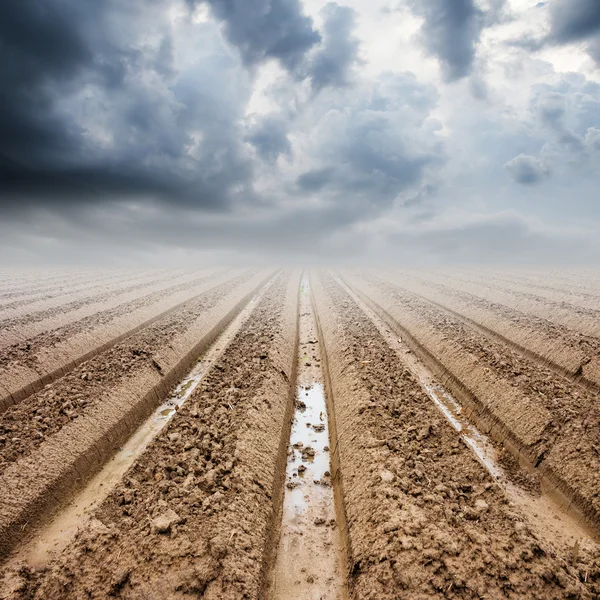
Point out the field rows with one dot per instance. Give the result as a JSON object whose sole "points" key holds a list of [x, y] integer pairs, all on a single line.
{"points": [[199, 511]]}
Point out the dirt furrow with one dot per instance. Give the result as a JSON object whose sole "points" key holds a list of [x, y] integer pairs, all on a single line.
{"points": [[25, 326], [585, 321], [545, 421], [86, 423], [68, 296], [424, 518], [25, 426], [552, 293], [26, 367], [555, 282], [569, 353], [62, 280], [194, 516]]}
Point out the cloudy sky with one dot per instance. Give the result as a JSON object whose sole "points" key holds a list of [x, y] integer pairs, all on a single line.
{"points": [[409, 132]]}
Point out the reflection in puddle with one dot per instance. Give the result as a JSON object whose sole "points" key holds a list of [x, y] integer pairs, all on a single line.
{"points": [[308, 469]]}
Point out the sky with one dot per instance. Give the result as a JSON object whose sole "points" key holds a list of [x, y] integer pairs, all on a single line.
{"points": [[360, 132]]}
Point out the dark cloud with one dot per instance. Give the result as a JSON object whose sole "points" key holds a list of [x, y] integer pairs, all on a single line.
{"points": [[269, 137], [571, 21], [451, 31], [92, 109], [574, 20], [527, 170], [315, 180], [333, 63], [264, 29]]}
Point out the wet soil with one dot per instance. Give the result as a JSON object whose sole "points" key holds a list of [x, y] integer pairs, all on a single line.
{"points": [[193, 516], [309, 563], [424, 516], [551, 423], [49, 541], [417, 478], [50, 470]]}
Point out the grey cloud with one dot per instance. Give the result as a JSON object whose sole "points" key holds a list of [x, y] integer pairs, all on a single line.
{"points": [[364, 157], [133, 131], [451, 31], [269, 137], [315, 180], [551, 108], [333, 62], [264, 29], [527, 170], [574, 20], [571, 21]]}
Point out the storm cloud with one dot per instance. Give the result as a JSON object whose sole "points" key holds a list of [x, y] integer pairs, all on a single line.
{"points": [[239, 130], [96, 109], [451, 30], [263, 29]]}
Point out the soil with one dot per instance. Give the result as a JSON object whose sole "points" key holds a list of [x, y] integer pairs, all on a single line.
{"points": [[571, 353], [26, 367], [132, 379], [195, 513], [543, 419], [424, 517], [457, 419]]}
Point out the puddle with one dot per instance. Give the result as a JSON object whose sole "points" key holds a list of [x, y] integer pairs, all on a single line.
{"points": [[54, 537], [309, 560]]}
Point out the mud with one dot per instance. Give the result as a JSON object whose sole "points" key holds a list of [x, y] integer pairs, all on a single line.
{"points": [[52, 539], [193, 516], [424, 516], [372, 435], [309, 563]]}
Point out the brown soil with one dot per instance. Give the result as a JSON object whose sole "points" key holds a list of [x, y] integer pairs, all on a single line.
{"points": [[199, 512], [26, 367], [194, 516], [424, 518], [40, 306], [570, 352], [587, 321], [125, 387], [72, 291], [39, 284], [542, 418]]}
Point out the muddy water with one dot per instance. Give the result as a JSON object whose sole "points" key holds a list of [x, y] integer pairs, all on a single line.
{"points": [[53, 538], [309, 563], [546, 517]]}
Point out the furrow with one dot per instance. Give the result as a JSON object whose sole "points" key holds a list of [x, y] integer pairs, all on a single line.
{"points": [[26, 368], [424, 517], [194, 514], [566, 352], [143, 369], [548, 424]]}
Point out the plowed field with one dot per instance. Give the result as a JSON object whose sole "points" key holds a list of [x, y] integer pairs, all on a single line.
{"points": [[307, 434]]}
